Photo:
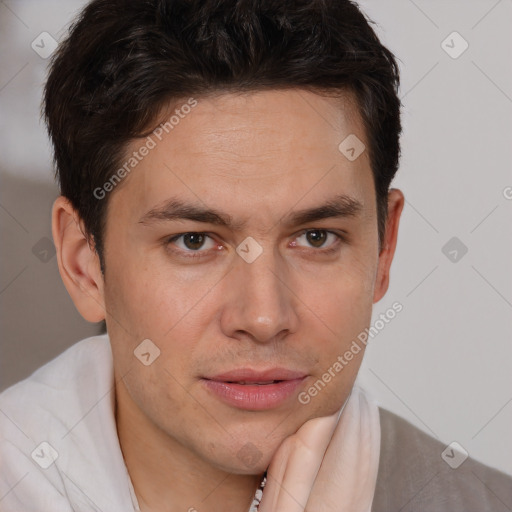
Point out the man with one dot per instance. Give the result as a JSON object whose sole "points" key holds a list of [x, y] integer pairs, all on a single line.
{"points": [[225, 170]]}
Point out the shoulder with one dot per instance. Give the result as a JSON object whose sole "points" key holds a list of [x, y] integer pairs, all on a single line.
{"points": [[87, 362], [75, 361], [413, 475], [46, 426], [58, 389]]}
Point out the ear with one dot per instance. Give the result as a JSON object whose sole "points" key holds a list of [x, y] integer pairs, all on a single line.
{"points": [[395, 206], [79, 265]]}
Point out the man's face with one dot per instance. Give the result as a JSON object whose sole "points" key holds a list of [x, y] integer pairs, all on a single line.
{"points": [[257, 159]]}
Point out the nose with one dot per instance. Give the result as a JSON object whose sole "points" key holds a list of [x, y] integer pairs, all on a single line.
{"points": [[259, 301]]}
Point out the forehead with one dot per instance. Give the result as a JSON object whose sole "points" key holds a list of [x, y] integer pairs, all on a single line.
{"points": [[258, 126], [246, 153]]}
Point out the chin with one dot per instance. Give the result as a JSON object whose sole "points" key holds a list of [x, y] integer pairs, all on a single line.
{"points": [[245, 459]]}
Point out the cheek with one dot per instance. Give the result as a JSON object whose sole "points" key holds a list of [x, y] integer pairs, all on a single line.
{"points": [[358, 279], [355, 296], [343, 296], [151, 302], [146, 297], [343, 306]]}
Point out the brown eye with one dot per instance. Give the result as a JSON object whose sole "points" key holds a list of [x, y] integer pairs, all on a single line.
{"points": [[191, 244], [193, 241], [316, 237], [322, 239]]}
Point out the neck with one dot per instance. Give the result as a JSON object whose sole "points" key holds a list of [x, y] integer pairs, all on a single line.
{"points": [[167, 476]]}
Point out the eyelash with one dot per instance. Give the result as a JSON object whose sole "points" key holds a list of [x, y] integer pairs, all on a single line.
{"points": [[201, 254]]}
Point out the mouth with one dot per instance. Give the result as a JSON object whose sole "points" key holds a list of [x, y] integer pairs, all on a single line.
{"points": [[251, 383], [254, 376], [254, 390]]}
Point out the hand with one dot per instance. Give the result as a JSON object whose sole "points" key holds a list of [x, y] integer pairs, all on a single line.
{"points": [[328, 465]]}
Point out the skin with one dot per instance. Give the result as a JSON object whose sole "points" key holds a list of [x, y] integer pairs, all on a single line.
{"points": [[257, 157]]}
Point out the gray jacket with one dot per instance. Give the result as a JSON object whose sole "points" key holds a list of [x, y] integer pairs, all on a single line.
{"points": [[413, 477]]}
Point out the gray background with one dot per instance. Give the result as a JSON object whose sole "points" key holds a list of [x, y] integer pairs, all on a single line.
{"points": [[444, 362]]}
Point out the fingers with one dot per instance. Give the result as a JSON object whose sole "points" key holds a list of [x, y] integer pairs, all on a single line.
{"points": [[347, 476], [294, 468]]}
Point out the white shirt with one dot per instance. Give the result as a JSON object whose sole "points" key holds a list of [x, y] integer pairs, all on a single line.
{"points": [[59, 449]]}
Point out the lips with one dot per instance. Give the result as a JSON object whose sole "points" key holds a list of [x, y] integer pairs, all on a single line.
{"points": [[255, 390], [243, 382], [252, 376]]}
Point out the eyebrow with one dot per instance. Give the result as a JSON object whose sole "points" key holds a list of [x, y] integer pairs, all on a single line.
{"points": [[176, 209]]}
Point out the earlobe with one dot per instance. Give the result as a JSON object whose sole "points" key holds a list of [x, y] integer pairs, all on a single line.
{"points": [[78, 262], [396, 202]]}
